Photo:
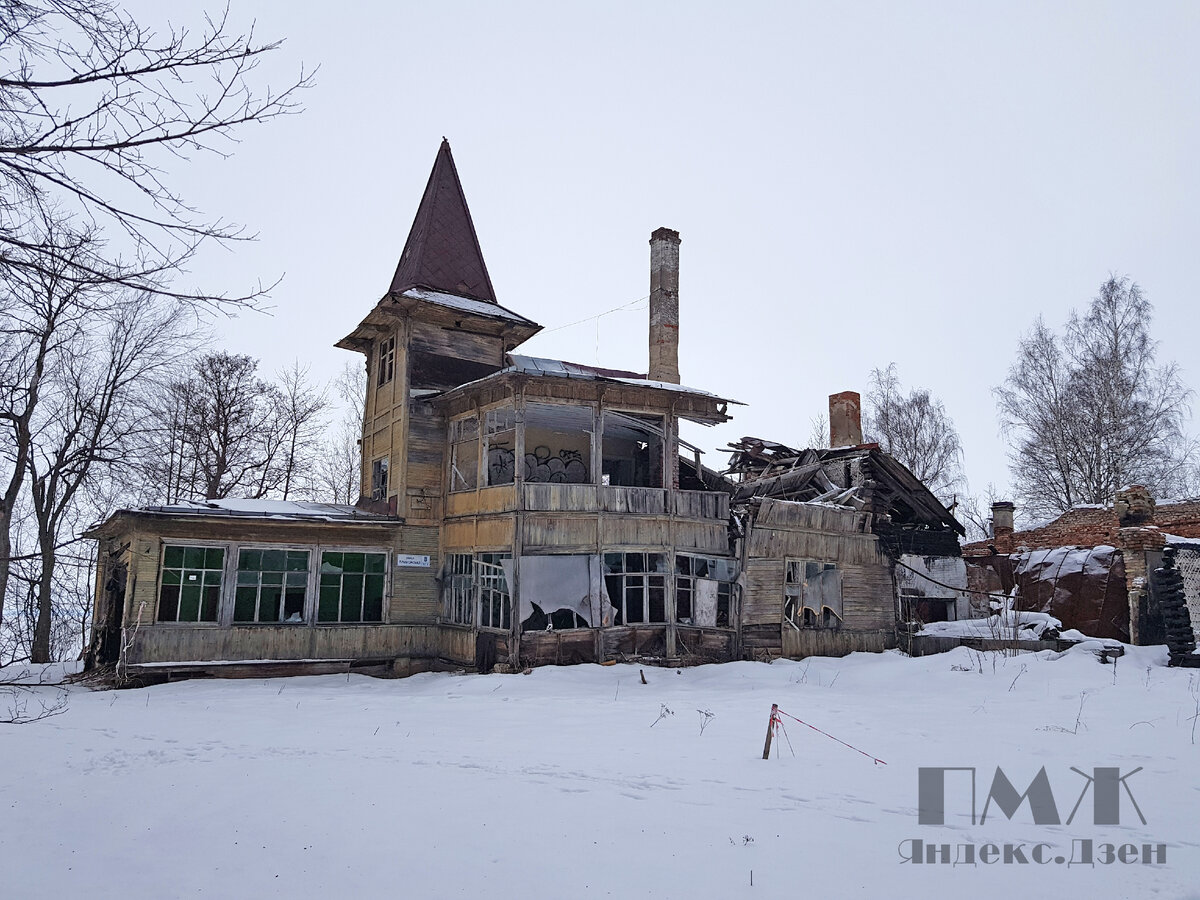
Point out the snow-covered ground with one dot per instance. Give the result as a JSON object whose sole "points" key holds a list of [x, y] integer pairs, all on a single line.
{"points": [[576, 782]]}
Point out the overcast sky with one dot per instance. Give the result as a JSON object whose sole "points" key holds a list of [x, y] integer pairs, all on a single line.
{"points": [[855, 183]]}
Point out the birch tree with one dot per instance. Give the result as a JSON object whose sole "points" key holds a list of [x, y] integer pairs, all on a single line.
{"points": [[1091, 410]]}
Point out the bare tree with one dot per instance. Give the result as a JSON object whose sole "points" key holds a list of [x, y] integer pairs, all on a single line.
{"points": [[87, 422], [301, 422], [92, 103], [43, 310], [818, 434], [224, 426], [916, 429], [1091, 411], [338, 468]]}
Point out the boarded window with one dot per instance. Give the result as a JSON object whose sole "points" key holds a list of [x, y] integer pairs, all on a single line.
{"points": [[352, 587], [812, 594], [459, 589], [464, 454], [637, 587], [558, 443], [632, 450], [386, 364], [500, 436], [272, 585], [560, 592], [190, 586], [704, 590]]}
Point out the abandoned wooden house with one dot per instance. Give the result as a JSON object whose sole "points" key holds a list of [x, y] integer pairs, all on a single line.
{"points": [[522, 511]]}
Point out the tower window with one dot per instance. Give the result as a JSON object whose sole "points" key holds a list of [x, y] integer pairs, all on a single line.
{"points": [[387, 361]]}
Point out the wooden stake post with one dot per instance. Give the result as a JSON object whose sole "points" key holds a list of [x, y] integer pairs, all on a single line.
{"points": [[770, 730]]}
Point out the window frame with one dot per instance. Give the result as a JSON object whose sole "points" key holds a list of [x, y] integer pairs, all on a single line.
{"points": [[456, 440], [385, 362], [388, 555], [628, 581], [164, 545], [685, 584], [306, 613]]}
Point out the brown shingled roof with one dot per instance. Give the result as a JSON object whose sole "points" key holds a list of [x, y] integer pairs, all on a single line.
{"points": [[442, 251]]}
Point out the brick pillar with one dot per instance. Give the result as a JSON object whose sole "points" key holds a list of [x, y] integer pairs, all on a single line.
{"points": [[664, 306], [1134, 507]]}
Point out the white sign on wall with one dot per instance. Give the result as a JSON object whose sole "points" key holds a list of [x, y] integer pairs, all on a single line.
{"points": [[411, 561]]}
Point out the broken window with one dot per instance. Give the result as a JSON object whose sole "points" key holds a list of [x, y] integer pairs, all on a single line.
{"points": [[559, 592], [637, 587], [495, 603], [500, 434], [458, 589], [632, 450], [464, 454], [386, 363], [704, 590], [352, 586], [190, 587], [379, 479], [812, 594], [271, 586], [558, 443]]}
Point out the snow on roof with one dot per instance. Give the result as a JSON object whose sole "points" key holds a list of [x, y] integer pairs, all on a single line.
{"points": [[265, 509], [465, 304], [557, 368]]}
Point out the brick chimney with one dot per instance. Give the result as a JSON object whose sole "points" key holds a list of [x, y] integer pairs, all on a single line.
{"points": [[664, 306], [845, 419], [1002, 518]]}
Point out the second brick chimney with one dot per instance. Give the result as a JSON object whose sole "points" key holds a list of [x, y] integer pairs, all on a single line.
{"points": [[845, 419], [664, 306]]}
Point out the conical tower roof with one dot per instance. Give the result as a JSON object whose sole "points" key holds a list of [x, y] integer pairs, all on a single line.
{"points": [[442, 251]]}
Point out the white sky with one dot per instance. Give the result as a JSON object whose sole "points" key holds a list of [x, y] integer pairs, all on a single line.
{"points": [[854, 183]]}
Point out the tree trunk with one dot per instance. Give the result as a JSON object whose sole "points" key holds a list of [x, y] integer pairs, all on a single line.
{"points": [[41, 634], [5, 561]]}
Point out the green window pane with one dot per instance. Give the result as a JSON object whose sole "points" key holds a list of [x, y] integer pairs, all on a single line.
{"points": [[297, 579], [250, 560], [212, 578], [272, 578], [330, 580], [331, 562], [243, 606], [327, 607], [173, 557], [208, 605], [373, 598], [376, 562], [214, 558], [612, 562], [192, 576], [297, 560], [168, 603], [635, 562], [172, 576], [353, 562], [352, 592], [193, 557], [274, 560], [270, 599], [247, 578], [189, 603]]}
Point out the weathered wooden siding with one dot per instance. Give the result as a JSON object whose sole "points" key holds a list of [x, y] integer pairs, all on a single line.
{"points": [[414, 598], [190, 643], [558, 648], [565, 533], [426, 462], [826, 642], [457, 644], [428, 337]]}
